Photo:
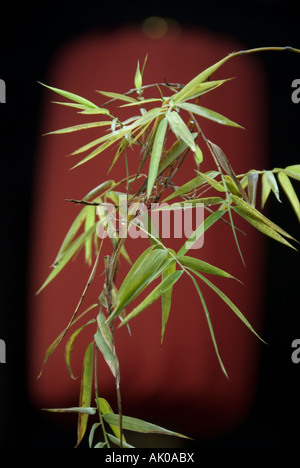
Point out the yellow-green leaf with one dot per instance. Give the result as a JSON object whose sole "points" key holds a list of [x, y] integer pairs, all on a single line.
{"points": [[290, 192], [156, 154], [85, 391]]}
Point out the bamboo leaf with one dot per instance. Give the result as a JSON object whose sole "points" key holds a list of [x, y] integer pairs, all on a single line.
{"points": [[104, 341], [76, 128], [147, 267], [273, 184], [290, 192], [260, 222], [166, 299], [116, 441], [252, 187], [208, 114], [85, 391], [192, 185], [70, 346], [208, 222], [212, 333], [213, 183], [75, 409], [89, 223], [200, 265], [180, 129], [138, 77], [156, 154], [293, 171], [68, 253], [265, 189], [138, 425], [118, 96], [173, 153], [190, 88], [72, 97], [105, 408], [155, 294], [227, 301]]}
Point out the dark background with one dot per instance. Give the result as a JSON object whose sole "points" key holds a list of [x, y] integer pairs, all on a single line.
{"points": [[29, 38]]}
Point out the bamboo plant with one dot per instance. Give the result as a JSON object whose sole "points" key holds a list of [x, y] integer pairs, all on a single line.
{"points": [[165, 128]]}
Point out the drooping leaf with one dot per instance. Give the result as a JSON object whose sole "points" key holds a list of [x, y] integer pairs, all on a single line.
{"points": [[116, 441], [265, 189], [293, 171], [208, 114], [166, 299], [252, 187], [290, 192], [155, 294], [230, 304], [208, 319], [138, 81], [273, 184], [260, 222], [137, 425], [180, 129], [105, 409], [89, 222], [75, 409], [68, 253], [86, 387], [145, 269], [156, 154], [104, 342], [70, 346]]}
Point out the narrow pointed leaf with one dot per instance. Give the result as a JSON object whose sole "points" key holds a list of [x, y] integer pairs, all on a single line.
{"points": [[76, 128], [155, 294], [200, 265], [156, 154], [265, 189], [192, 185], [208, 222], [70, 346], [208, 114], [138, 425], [212, 333], [252, 187], [85, 391], [290, 192], [166, 299], [273, 184], [116, 441], [118, 96], [72, 97], [105, 409], [180, 129], [67, 255], [138, 77]]}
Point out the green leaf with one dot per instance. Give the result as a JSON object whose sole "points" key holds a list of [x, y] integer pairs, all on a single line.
{"points": [[118, 96], [173, 153], [137, 425], [116, 441], [208, 222], [193, 86], [72, 97], [105, 409], [166, 299], [155, 294], [85, 391], [191, 185], [68, 253], [260, 222], [70, 346], [156, 154], [265, 189], [273, 184], [76, 128], [290, 192], [213, 183], [212, 333], [200, 265], [180, 129], [208, 114], [104, 342], [293, 171], [75, 409], [138, 77], [145, 269], [227, 301], [89, 223]]}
